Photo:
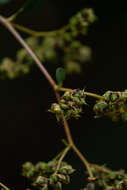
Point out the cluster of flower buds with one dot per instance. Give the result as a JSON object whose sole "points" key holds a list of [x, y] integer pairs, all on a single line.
{"points": [[80, 22], [9, 69], [65, 43], [21, 65], [71, 104], [113, 180], [75, 54], [112, 105], [44, 175]]}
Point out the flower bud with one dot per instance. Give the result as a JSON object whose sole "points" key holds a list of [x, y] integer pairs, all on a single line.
{"points": [[41, 182], [90, 186]]}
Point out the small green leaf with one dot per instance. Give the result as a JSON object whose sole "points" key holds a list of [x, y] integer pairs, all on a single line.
{"points": [[2, 2], [60, 75]]}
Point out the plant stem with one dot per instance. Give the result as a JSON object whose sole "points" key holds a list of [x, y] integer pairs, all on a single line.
{"points": [[13, 17], [3, 186], [93, 95], [62, 157], [58, 155], [70, 140], [39, 34], [100, 168], [8, 25], [33, 32], [86, 93]]}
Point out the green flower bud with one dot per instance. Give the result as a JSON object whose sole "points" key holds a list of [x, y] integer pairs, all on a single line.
{"points": [[67, 96], [61, 177], [67, 180], [107, 95], [40, 167], [51, 166], [27, 166], [64, 106], [58, 186], [100, 107], [114, 97], [55, 108], [66, 169], [45, 187], [90, 186], [124, 116], [41, 181], [53, 179]]}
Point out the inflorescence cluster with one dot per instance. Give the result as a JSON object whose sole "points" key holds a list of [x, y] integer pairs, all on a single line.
{"points": [[60, 46], [71, 104], [111, 180], [44, 175], [112, 105]]}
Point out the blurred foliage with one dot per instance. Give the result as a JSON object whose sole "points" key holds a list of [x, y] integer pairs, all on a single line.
{"points": [[27, 6], [2, 2], [30, 4], [62, 47]]}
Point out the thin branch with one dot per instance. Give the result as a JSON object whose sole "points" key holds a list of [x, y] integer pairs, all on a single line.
{"points": [[58, 155], [8, 25], [86, 93], [13, 17], [62, 157], [100, 168], [70, 140], [33, 32], [4, 187]]}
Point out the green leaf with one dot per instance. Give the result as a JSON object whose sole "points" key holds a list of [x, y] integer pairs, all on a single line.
{"points": [[60, 75], [2, 2]]}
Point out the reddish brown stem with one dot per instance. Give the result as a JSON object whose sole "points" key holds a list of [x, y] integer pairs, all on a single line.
{"points": [[8, 25]]}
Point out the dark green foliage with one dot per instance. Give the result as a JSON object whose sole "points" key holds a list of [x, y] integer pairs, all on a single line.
{"points": [[113, 105], [2, 2], [71, 104], [43, 175], [30, 4]]}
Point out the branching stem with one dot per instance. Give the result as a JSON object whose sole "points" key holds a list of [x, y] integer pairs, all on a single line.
{"points": [[8, 25], [62, 157]]}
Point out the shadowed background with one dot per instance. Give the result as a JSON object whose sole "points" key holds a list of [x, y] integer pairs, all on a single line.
{"points": [[27, 131]]}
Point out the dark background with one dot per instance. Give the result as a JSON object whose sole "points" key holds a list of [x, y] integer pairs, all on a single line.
{"points": [[27, 131]]}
